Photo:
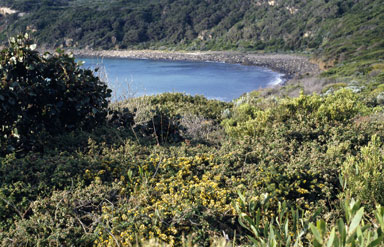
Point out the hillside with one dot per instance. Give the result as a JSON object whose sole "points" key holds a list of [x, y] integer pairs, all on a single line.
{"points": [[335, 30]]}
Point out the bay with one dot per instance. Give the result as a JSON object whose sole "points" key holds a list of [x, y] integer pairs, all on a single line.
{"points": [[138, 77]]}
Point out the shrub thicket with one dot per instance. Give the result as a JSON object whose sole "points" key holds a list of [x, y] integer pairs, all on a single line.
{"points": [[363, 173], [45, 94], [273, 173], [274, 167]]}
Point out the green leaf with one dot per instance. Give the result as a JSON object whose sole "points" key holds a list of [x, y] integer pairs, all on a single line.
{"points": [[255, 231], [321, 226], [241, 221], [341, 228], [288, 242], [356, 221], [331, 238], [316, 233], [242, 198], [286, 229], [254, 241], [379, 217], [376, 242]]}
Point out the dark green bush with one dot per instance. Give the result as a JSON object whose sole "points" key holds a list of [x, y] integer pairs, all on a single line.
{"points": [[45, 94], [162, 127], [65, 218]]}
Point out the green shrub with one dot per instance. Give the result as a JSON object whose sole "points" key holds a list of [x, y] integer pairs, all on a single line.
{"points": [[162, 127], [343, 105], [363, 173], [65, 218], [45, 94], [313, 110], [24, 179]]}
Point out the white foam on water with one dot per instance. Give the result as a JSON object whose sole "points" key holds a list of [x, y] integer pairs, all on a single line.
{"points": [[277, 80]]}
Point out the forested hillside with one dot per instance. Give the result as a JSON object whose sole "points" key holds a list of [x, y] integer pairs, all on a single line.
{"points": [[334, 29]]}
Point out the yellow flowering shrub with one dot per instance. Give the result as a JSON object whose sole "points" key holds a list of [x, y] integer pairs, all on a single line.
{"points": [[173, 200]]}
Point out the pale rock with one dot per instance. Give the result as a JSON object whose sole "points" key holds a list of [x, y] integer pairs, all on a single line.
{"points": [[7, 11]]}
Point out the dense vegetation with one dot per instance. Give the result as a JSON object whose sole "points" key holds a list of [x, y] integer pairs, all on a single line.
{"points": [[173, 169], [346, 35], [183, 170], [43, 95], [336, 29]]}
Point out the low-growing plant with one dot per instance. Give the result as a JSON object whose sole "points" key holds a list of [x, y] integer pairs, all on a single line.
{"points": [[269, 226], [69, 217], [200, 129], [351, 231], [169, 197], [287, 226]]}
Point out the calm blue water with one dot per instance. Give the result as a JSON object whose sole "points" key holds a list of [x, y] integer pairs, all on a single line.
{"points": [[136, 77]]}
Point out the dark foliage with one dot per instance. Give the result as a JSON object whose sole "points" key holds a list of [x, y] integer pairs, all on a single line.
{"points": [[162, 127], [336, 29], [45, 95]]}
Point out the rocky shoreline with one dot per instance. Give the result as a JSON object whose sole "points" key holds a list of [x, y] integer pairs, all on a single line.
{"points": [[292, 66]]}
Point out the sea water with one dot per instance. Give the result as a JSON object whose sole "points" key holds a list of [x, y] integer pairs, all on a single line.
{"points": [[138, 77]]}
